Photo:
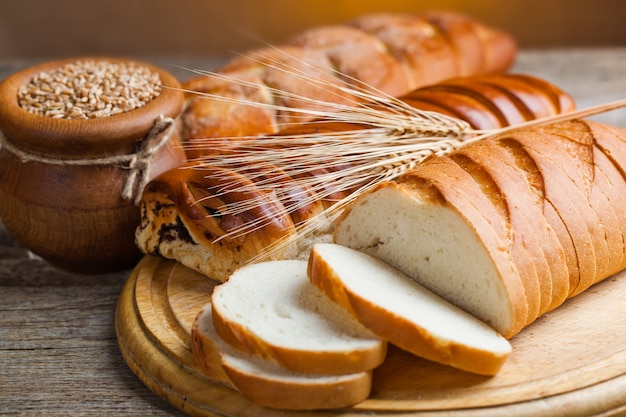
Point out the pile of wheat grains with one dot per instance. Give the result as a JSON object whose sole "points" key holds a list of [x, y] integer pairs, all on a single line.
{"points": [[89, 89]]}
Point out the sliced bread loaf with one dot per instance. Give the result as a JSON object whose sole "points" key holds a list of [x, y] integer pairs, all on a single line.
{"points": [[570, 173], [270, 309], [403, 312], [266, 383]]}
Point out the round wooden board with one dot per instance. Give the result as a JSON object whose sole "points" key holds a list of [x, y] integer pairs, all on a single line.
{"points": [[572, 360]]}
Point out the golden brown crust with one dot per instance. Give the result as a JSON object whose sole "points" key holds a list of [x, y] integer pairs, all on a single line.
{"points": [[494, 100], [207, 355], [416, 43], [571, 204], [552, 232], [538, 234], [184, 216], [347, 49], [389, 53], [290, 395], [497, 48]]}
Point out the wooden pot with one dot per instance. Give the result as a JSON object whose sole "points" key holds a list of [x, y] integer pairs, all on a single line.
{"points": [[64, 201]]}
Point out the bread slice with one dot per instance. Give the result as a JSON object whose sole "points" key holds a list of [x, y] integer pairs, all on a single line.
{"points": [[569, 201], [270, 309], [556, 241], [576, 139], [609, 179], [506, 192], [611, 142], [266, 383], [403, 312]]}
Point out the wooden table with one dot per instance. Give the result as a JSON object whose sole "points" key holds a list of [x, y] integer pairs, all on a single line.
{"points": [[58, 350]]}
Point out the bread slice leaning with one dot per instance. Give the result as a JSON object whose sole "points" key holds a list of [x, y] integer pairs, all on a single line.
{"points": [[270, 309], [404, 313], [266, 383]]}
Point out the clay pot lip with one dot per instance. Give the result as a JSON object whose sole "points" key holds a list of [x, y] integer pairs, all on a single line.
{"points": [[36, 133]]}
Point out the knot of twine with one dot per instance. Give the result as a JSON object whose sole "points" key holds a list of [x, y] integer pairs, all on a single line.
{"points": [[139, 163]]}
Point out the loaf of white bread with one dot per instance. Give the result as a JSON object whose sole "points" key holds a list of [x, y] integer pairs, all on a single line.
{"points": [[506, 228], [181, 210], [384, 52]]}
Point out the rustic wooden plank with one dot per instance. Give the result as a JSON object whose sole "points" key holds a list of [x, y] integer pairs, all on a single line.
{"points": [[58, 348]]}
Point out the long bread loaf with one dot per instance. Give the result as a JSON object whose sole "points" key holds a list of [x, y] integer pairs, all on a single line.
{"points": [[389, 53], [181, 210], [507, 228]]}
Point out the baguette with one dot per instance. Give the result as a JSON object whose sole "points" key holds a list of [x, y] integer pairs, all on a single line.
{"points": [[265, 382], [566, 175], [404, 313], [180, 210], [388, 53]]}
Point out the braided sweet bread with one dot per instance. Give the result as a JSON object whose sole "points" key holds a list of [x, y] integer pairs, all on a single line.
{"points": [[388, 53]]}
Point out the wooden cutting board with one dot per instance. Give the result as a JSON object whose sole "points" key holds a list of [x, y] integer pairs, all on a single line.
{"points": [[572, 360]]}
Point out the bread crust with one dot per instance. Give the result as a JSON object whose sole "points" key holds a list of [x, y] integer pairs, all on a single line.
{"points": [[206, 351], [572, 205], [347, 48], [182, 216], [543, 241], [384, 52], [290, 395], [553, 234]]}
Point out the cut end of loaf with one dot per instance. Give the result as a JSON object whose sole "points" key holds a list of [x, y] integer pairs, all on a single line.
{"points": [[432, 244]]}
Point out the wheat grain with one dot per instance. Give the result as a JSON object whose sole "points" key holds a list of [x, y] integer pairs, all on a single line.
{"points": [[89, 89]]}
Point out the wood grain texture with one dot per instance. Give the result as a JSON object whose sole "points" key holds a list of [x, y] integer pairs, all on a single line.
{"points": [[58, 349]]}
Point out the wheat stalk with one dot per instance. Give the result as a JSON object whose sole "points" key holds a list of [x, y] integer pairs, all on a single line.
{"points": [[392, 137]]}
